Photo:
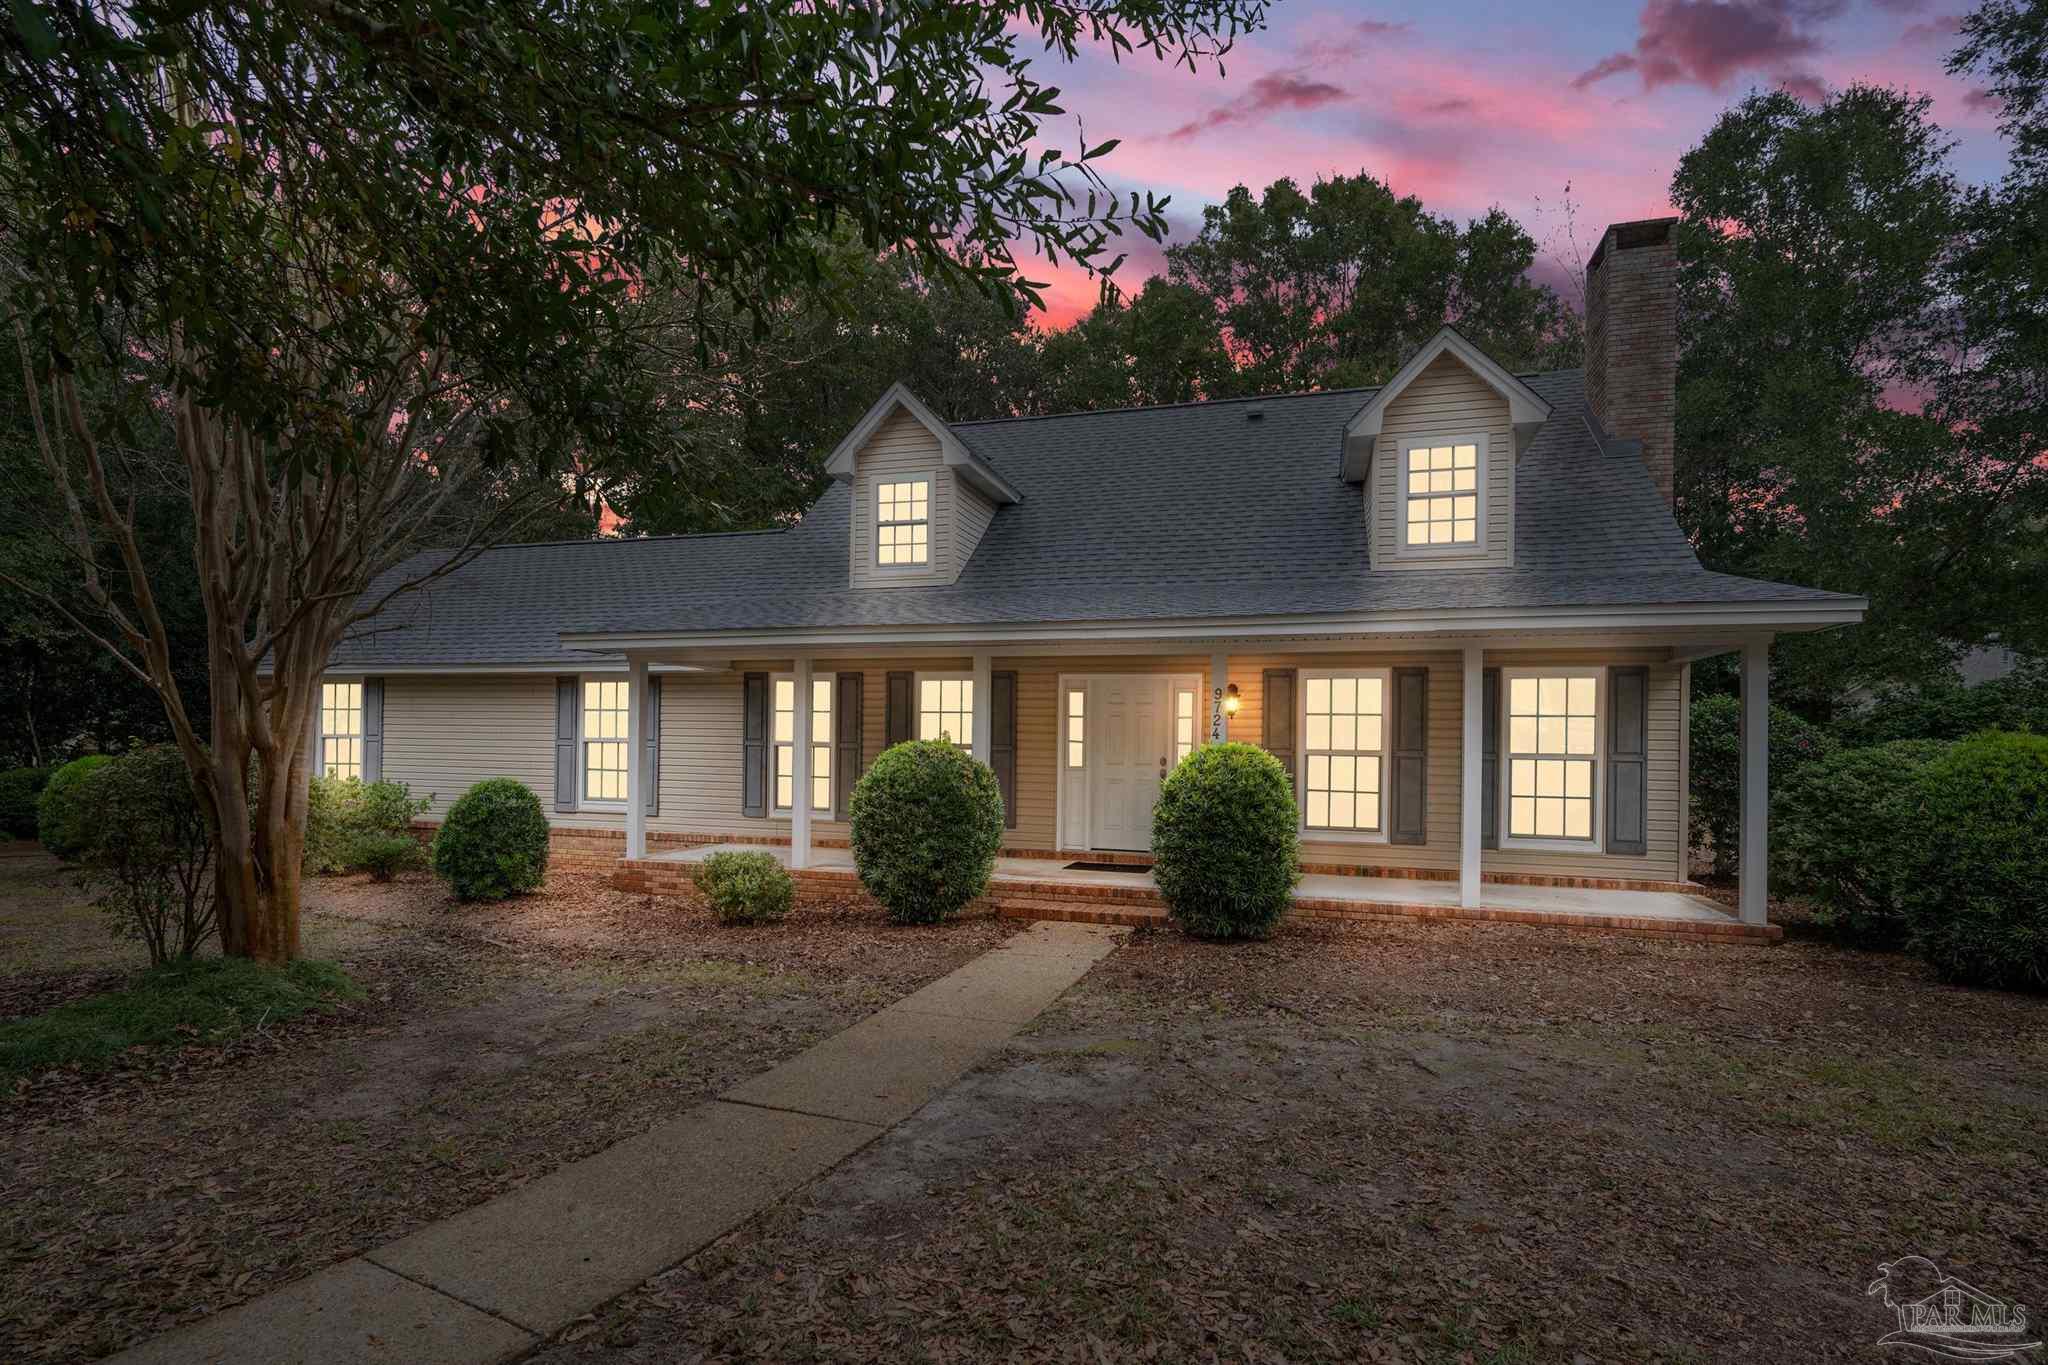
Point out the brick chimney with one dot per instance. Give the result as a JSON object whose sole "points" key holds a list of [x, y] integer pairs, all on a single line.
{"points": [[1632, 339]]}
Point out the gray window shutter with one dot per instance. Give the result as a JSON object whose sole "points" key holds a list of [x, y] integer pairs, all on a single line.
{"points": [[566, 783], [650, 747], [1489, 760], [1002, 740], [1278, 700], [373, 729], [900, 725], [1408, 821], [1628, 760], [848, 724], [754, 744]]}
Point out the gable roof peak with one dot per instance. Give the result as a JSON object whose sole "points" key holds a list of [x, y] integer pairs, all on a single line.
{"points": [[1527, 409], [962, 461]]}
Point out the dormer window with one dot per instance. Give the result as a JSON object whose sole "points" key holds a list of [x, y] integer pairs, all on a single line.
{"points": [[1441, 479], [903, 523]]}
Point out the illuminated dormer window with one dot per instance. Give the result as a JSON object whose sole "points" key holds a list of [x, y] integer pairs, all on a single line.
{"points": [[903, 523], [1440, 482]]}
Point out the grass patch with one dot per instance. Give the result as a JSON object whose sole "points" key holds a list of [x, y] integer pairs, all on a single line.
{"points": [[212, 1001]]}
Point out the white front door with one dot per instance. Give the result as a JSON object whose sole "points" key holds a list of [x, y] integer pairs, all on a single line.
{"points": [[1130, 720]]}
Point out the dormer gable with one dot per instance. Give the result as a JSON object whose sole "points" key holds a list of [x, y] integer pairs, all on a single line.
{"points": [[921, 499], [1435, 450]]}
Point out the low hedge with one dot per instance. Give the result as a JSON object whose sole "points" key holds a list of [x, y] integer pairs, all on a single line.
{"points": [[1226, 846], [1975, 892], [19, 788], [926, 822], [746, 888], [63, 819], [1841, 835], [494, 842]]}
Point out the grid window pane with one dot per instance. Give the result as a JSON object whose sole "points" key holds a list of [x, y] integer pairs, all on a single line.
{"points": [[945, 710], [1077, 729], [341, 729], [1344, 728], [1437, 514], [1553, 731], [903, 522], [783, 730], [1183, 723], [604, 740]]}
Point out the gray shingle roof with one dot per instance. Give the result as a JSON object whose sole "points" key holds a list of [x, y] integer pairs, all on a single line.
{"points": [[1182, 511]]}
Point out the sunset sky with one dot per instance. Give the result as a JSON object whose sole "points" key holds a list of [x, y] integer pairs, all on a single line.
{"points": [[1471, 103]]}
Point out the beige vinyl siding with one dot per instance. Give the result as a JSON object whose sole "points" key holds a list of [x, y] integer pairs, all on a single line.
{"points": [[444, 733], [974, 511], [902, 447], [1446, 399]]}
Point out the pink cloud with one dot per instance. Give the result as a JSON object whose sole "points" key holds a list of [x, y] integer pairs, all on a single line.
{"points": [[1709, 42], [1272, 93]]}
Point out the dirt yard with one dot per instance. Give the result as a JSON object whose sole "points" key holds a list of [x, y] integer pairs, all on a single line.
{"points": [[1417, 1144], [495, 1044]]}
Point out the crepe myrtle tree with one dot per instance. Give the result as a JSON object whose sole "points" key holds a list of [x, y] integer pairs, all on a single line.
{"points": [[375, 259]]}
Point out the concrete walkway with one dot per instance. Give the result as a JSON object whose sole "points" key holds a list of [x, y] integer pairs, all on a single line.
{"points": [[491, 1283]]}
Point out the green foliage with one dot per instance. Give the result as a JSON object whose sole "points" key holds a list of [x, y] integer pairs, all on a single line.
{"points": [[1843, 829], [494, 842], [1339, 286], [384, 856], [19, 788], [1225, 841], [1715, 764], [1975, 893], [348, 821], [746, 888], [63, 819], [149, 855], [209, 1002], [927, 820], [1947, 709]]}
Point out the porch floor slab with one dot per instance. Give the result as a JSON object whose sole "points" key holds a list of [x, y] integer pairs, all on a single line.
{"points": [[1669, 906]]}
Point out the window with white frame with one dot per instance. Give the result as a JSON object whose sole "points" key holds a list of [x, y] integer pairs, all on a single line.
{"points": [[604, 738], [785, 743], [1553, 754], [1440, 492], [341, 729], [903, 522], [1343, 750], [1077, 727], [1183, 723], [945, 708]]}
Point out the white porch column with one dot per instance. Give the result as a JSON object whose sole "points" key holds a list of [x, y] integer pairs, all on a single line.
{"points": [[636, 758], [800, 764], [1471, 784], [1754, 887], [984, 708], [1219, 686]]}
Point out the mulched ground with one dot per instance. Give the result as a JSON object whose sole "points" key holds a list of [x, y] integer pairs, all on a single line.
{"points": [[497, 1043], [1412, 1143]]}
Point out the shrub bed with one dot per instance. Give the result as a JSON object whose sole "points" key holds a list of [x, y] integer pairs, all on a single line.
{"points": [[351, 824], [1716, 768], [149, 855], [19, 788], [1841, 832], [494, 842], [1224, 842], [927, 821], [746, 888], [1975, 892], [63, 821]]}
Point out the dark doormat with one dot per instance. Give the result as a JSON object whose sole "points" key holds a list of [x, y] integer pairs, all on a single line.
{"points": [[1106, 867]]}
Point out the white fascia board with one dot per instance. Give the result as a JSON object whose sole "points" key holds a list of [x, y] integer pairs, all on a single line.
{"points": [[1527, 409], [964, 462], [1777, 616]]}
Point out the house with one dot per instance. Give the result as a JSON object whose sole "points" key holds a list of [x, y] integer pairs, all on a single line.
{"points": [[1456, 607]]}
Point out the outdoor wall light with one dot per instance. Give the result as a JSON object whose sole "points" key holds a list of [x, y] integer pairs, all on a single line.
{"points": [[1231, 701]]}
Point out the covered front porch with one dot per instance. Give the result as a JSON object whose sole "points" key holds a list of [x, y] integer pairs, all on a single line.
{"points": [[1051, 888]]}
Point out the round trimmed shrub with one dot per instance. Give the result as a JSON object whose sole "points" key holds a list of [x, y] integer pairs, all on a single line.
{"points": [[1840, 833], [1976, 895], [494, 842], [19, 788], [927, 820], [746, 888], [1225, 843], [64, 819], [384, 855]]}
